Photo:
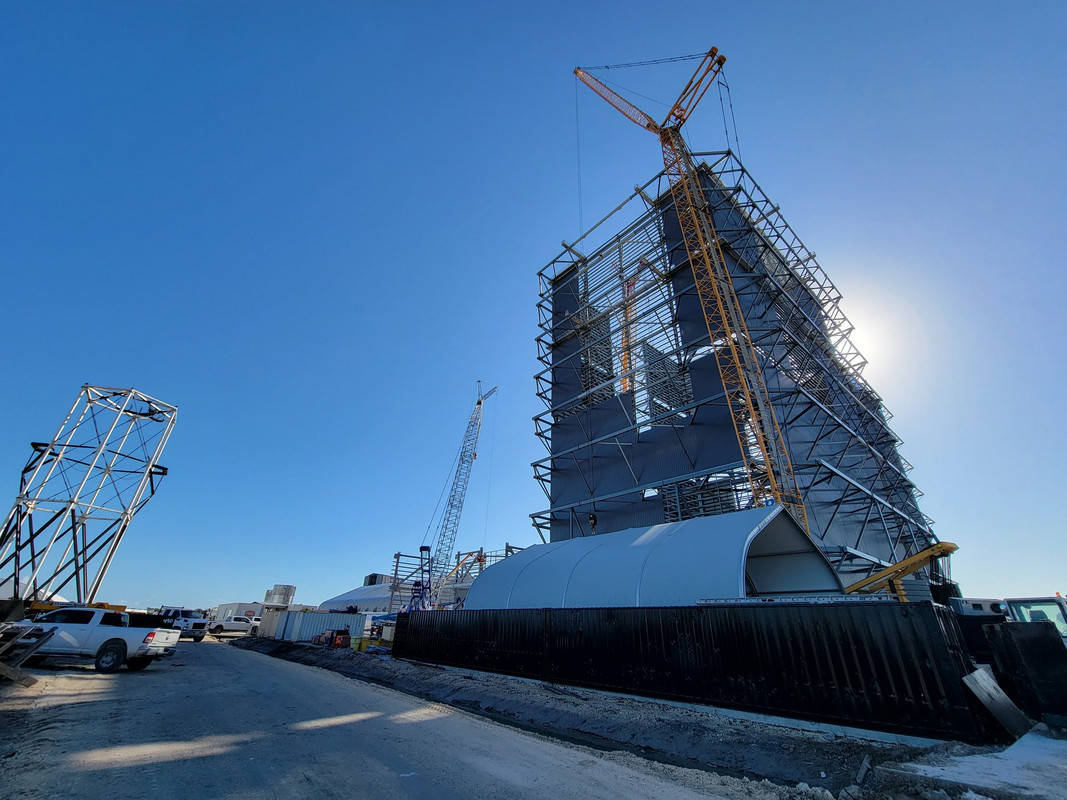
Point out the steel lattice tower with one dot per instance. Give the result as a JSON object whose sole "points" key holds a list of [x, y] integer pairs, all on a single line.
{"points": [[79, 491], [445, 539], [636, 423]]}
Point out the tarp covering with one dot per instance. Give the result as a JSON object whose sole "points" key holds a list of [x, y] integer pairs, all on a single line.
{"points": [[365, 598], [761, 552]]}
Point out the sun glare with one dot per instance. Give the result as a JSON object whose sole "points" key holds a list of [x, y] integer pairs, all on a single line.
{"points": [[154, 752], [332, 722]]}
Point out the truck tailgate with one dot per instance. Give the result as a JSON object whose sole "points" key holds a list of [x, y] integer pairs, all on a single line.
{"points": [[165, 639]]}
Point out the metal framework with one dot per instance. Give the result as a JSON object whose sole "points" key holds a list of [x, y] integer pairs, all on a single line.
{"points": [[410, 584], [79, 492], [764, 455], [410, 587], [446, 533], [637, 421]]}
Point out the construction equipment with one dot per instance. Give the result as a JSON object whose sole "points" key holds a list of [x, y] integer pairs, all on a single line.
{"points": [[763, 449], [36, 607], [890, 577], [445, 537]]}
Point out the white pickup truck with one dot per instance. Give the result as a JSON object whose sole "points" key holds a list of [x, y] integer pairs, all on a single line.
{"points": [[187, 621], [233, 624], [103, 635]]}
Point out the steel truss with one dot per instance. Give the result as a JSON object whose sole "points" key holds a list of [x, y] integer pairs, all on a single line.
{"points": [[79, 492], [614, 332], [411, 589]]}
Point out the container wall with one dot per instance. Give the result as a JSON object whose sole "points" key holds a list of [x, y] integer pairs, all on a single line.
{"points": [[302, 626], [888, 666], [268, 626]]}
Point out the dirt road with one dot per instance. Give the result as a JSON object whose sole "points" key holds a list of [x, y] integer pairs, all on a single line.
{"points": [[218, 722]]}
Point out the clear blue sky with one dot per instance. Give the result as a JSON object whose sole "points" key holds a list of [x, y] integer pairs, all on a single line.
{"points": [[313, 227]]}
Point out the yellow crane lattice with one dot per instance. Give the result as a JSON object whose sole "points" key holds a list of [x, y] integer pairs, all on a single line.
{"points": [[763, 450]]}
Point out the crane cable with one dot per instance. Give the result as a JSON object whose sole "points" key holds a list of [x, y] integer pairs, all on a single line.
{"points": [[648, 63], [434, 523], [577, 125], [489, 478], [723, 84], [626, 91], [578, 150]]}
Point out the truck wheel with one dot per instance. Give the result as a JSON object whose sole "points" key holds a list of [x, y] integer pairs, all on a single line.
{"points": [[254, 630], [110, 657], [137, 663], [199, 638], [217, 630]]}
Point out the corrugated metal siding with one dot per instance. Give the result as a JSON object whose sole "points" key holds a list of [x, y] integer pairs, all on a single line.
{"points": [[886, 666], [301, 626], [268, 625]]}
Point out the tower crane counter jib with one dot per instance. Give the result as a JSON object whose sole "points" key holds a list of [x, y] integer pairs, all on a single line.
{"points": [[763, 449]]}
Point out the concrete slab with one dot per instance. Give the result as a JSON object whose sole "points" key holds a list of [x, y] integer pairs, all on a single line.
{"points": [[1034, 767]]}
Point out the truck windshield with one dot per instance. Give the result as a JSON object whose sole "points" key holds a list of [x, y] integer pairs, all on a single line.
{"points": [[1039, 610], [192, 614]]}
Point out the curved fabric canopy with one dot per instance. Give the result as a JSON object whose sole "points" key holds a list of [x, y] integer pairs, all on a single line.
{"points": [[365, 598], [761, 552]]}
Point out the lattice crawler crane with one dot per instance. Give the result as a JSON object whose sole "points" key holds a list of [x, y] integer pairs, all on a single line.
{"points": [[446, 534]]}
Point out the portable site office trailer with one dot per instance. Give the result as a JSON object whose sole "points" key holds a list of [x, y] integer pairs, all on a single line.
{"points": [[224, 610]]}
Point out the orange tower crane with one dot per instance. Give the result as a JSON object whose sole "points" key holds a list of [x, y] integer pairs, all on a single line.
{"points": [[763, 450]]}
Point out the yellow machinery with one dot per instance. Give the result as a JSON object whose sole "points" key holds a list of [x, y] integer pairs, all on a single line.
{"points": [[763, 450], [38, 607], [890, 577]]}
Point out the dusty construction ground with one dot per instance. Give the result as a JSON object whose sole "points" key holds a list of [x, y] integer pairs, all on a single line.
{"points": [[755, 758], [219, 723]]}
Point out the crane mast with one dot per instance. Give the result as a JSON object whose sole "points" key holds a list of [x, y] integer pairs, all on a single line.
{"points": [[763, 451], [446, 533]]}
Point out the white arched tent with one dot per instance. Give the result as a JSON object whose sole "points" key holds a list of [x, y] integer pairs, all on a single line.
{"points": [[761, 552]]}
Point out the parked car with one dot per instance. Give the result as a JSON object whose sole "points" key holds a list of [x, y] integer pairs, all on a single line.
{"points": [[188, 621], [103, 635], [233, 624]]}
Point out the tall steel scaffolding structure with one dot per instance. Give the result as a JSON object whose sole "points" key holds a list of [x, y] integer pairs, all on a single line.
{"points": [[637, 423], [79, 492]]}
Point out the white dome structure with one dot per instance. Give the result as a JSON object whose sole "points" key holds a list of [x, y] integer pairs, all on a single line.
{"points": [[372, 597], [761, 552]]}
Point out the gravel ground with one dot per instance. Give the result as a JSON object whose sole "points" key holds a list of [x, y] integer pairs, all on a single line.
{"points": [[757, 758]]}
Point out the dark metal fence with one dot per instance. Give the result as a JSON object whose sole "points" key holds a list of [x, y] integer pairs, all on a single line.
{"points": [[895, 667]]}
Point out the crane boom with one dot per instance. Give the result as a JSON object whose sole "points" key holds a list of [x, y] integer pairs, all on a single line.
{"points": [[621, 104], [446, 533], [701, 81], [763, 451], [890, 577]]}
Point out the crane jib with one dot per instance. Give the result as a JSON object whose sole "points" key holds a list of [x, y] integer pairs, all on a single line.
{"points": [[763, 448]]}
